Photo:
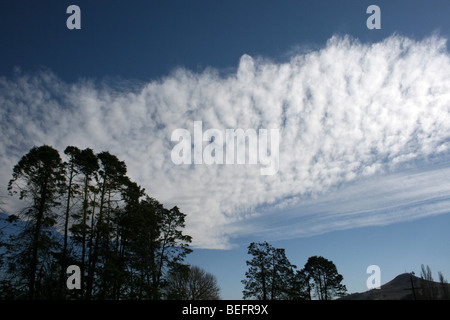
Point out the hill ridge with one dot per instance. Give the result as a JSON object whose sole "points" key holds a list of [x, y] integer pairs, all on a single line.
{"points": [[405, 286]]}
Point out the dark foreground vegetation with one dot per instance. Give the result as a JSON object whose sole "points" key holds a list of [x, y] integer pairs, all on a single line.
{"points": [[85, 211]]}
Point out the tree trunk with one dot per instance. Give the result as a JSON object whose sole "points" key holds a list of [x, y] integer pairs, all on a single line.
{"points": [[66, 233], [34, 258]]}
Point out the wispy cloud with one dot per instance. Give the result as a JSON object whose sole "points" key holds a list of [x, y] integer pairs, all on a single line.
{"points": [[377, 200], [345, 112]]}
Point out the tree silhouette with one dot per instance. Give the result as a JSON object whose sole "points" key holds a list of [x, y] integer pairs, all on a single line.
{"points": [[192, 283], [39, 175], [73, 153], [87, 212], [321, 275], [86, 163], [270, 274]]}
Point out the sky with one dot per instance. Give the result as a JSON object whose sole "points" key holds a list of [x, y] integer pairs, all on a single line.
{"points": [[363, 157]]}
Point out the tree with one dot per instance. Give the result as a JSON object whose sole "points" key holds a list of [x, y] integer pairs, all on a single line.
{"points": [[86, 163], [256, 282], [111, 176], [87, 212], [173, 245], [281, 286], [270, 274], [321, 275], [127, 226], [426, 282], [301, 286], [143, 234], [38, 175], [191, 283], [71, 171], [445, 294]]}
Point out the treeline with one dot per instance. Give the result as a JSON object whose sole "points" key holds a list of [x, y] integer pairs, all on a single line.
{"points": [[271, 276], [429, 289], [126, 243]]}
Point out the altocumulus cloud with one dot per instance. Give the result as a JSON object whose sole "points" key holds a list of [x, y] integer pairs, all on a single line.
{"points": [[344, 112]]}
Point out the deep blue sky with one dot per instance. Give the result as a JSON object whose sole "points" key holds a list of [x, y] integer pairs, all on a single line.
{"points": [[146, 40]]}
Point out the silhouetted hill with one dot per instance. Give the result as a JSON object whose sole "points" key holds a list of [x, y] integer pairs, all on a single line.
{"points": [[401, 288]]}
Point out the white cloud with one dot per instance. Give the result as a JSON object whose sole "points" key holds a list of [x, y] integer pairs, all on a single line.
{"points": [[346, 111]]}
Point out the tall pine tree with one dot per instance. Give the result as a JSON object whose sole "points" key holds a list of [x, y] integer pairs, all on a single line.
{"points": [[38, 177], [322, 276], [270, 274]]}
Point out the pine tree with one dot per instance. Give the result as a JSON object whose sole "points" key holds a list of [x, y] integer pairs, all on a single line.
{"points": [[322, 276], [86, 163], [173, 245], [71, 172], [38, 176], [111, 176], [270, 274], [144, 235]]}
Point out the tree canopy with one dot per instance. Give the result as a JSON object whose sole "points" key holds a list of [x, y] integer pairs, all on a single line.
{"points": [[86, 211], [272, 277]]}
